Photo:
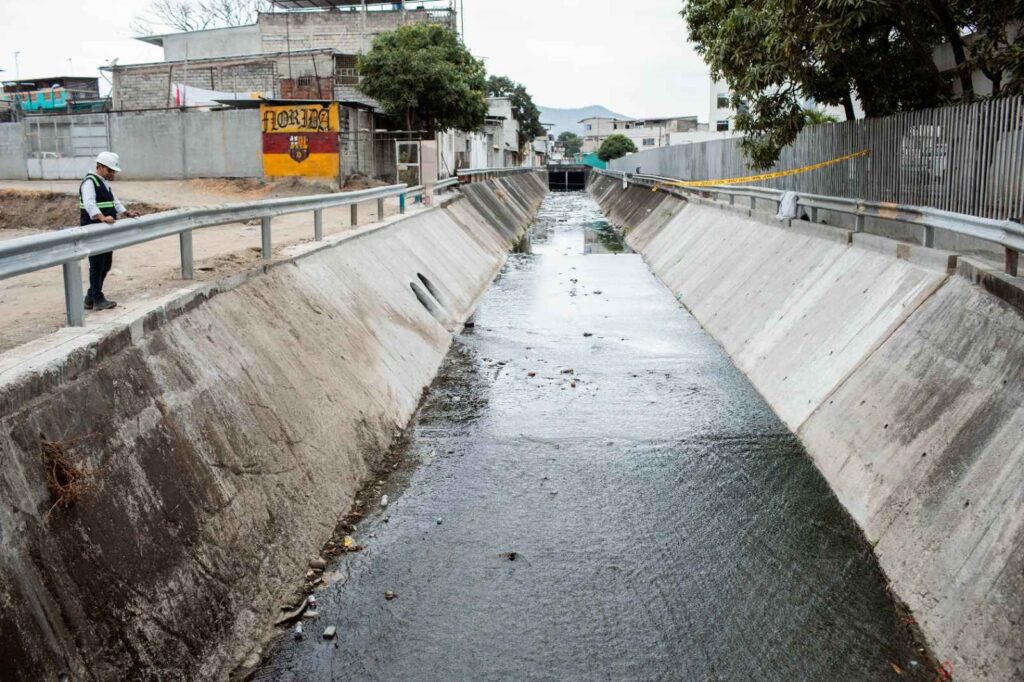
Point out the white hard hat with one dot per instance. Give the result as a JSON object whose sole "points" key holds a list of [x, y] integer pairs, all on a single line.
{"points": [[110, 160]]}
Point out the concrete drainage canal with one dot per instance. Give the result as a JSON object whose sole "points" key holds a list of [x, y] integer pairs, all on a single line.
{"points": [[591, 490]]}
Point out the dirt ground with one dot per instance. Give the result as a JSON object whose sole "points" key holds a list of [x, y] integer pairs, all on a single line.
{"points": [[33, 304], [42, 211]]}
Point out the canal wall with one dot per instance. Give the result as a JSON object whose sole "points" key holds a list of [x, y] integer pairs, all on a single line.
{"points": [[899, 368], [224, 430]]}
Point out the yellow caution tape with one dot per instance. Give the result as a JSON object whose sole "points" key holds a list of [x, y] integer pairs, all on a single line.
{"points": [[763, 176]]}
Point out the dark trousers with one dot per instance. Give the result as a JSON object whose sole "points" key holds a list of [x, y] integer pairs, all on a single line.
{"points": [[99, 266]]}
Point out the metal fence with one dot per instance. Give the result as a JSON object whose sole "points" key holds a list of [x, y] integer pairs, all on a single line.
{"points": [[965, 159]]}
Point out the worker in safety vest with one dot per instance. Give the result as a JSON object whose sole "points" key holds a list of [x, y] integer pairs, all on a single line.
{"points": [[97, 204]]}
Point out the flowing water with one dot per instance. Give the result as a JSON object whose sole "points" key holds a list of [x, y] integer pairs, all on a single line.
{"points": [[595, 492]]}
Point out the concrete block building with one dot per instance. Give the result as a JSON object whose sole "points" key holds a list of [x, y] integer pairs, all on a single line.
{"points": [[306, 49]]}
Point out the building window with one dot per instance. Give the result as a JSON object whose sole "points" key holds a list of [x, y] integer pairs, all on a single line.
{"points": [[648, 141], [615, 126], [723, 101], [590, 127], [722, 126]]}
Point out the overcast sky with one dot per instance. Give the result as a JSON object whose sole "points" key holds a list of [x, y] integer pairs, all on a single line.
{"points": [[630, 56]]}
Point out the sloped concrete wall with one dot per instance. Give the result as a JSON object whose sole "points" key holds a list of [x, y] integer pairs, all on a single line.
{"points": [[228, 428], [902, 380]]}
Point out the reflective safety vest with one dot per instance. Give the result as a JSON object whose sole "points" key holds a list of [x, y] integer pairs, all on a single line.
{"points": [[104, 200]]}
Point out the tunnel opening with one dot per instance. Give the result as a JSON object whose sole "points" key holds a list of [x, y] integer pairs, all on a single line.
{"points": [[568, 178]]}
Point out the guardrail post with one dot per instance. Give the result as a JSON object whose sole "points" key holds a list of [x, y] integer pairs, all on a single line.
{"points": [[380, 209], [859, 225], [318, 225], [185, 240], [73, 302], [928, 238], [814, 214], [355, 215], [753, 203], [265, 234], [732, 199], [1012, 258], [401, 203]]}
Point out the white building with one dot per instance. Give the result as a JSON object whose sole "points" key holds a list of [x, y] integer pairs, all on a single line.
{"points": [[646, 133]]}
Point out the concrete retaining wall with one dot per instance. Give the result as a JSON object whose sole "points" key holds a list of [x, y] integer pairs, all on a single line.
{"points": [[902, 380], [228, 427], [12, 152], [174, 145]]}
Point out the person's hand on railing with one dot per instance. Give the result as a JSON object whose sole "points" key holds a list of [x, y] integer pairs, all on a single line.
{"points": [[131, 214], [105, 219]]}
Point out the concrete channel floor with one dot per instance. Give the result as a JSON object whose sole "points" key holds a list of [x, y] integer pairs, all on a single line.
{"points": [[655, 521]]}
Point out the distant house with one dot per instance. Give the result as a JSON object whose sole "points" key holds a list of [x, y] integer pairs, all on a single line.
{"points": [[646, 133], [53, 94]]}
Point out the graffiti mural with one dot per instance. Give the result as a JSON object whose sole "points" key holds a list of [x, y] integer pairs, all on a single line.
{"points": [[300, 139]]}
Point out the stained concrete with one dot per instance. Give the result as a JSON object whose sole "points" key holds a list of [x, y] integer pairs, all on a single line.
{"points": [[226, 427], [902, 380]]}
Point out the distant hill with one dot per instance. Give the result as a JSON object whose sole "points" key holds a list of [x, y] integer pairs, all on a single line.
{"points": [[568, 119]]}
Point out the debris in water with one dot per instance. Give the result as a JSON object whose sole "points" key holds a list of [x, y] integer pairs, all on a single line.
{"points": [[573, 384], [439, 520], [587, 334], [298, 631], [318, 564], [598, 292], [384, 501], [511, 556], [330, 632], [311, 614], [347, 541], [568, 370], [531, 374], [389, 595], [294, 613]]}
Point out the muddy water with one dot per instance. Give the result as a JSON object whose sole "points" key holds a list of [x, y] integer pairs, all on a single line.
{"points": [[597, 493]]}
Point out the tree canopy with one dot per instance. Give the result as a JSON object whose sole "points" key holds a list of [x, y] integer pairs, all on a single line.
{"points": [[775, 54], [197, 15], [423, 75], [523, 108], [614, 147], [571, 142]]}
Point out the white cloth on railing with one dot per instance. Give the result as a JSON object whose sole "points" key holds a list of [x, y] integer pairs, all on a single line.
{"points": [[787, 206]]}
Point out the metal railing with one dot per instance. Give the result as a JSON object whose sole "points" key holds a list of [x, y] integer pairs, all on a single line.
{"points": [[966, 159], [1006, 233], [70, 246], [483, 174]]}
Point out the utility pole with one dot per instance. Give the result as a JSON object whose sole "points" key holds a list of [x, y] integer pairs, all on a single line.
{"points": [[17, 68]]}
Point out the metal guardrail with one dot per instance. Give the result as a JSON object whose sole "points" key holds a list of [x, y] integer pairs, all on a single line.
{"points": [[482, 174], [69, 247], [1006, 233]]}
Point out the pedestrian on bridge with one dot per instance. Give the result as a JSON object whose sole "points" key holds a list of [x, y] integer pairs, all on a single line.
{"points": [[98, 204]]}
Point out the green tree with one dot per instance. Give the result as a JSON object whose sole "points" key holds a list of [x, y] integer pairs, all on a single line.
{"points": [[523, 108], [423, 75], [814, 117], [614, 147], [571, 142], [776, 53]]}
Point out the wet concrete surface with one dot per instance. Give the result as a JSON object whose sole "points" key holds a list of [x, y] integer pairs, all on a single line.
{"points": [[593, 491]]}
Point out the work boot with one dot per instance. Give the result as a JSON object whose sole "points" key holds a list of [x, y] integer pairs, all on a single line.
{"points": [[88, 302], [101, 302]]}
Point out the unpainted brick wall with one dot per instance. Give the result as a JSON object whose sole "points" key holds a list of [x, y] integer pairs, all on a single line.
{"points": [[149, 87]]}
